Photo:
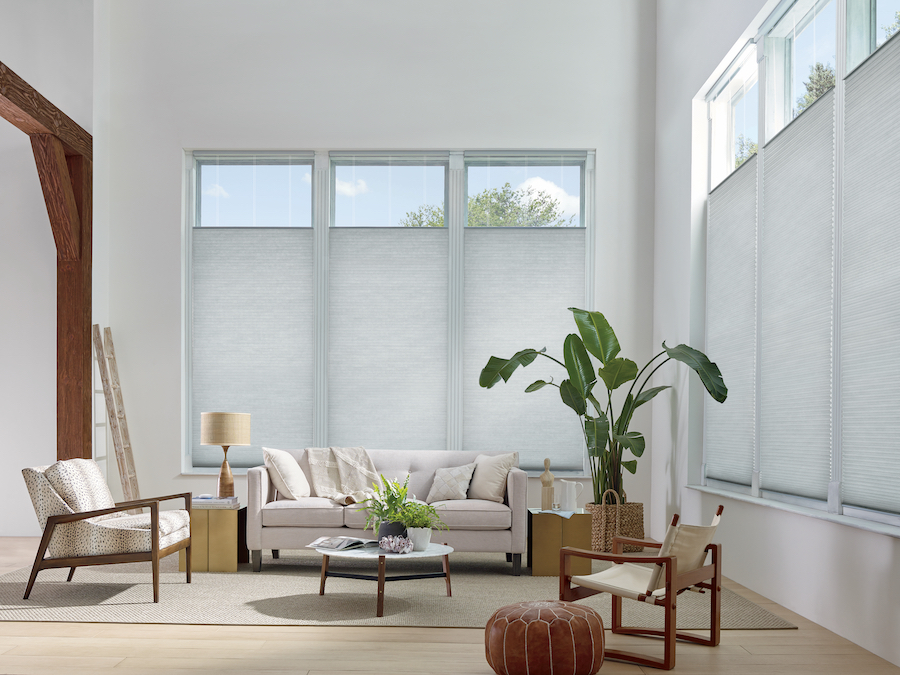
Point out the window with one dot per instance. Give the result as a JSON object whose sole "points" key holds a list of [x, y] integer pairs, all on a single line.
{"points": [[345, 299], [254, 191], [870, 23], [734, 115], [802, 295], [510, 194], [392, 193], [800, 61], [524, 264]]}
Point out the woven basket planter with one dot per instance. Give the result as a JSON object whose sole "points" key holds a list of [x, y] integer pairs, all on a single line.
{"points": [[611, 520]]}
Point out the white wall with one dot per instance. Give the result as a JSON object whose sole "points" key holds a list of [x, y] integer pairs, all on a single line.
{"points": [[397, 74], [48, 43], [853, 588]]}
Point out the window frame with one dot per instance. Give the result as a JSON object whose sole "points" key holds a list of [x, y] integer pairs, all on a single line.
{"points": [[323, 181]]}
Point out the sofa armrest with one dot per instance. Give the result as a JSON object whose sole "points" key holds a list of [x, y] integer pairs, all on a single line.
{"points": [[517, 498], [259, 492]]}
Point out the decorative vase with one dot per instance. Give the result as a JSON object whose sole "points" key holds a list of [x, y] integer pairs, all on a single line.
{"points": [[615, 520], [420, 536], [392, 528]]}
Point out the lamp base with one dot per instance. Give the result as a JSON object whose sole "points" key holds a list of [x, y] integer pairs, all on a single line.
{"points": [[225, 484]]}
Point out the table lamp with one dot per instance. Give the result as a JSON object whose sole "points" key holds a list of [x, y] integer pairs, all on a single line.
{"points": [[225, 429]]}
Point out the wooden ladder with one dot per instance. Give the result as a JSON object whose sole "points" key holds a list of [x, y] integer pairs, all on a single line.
{"points": [[115, 411]]}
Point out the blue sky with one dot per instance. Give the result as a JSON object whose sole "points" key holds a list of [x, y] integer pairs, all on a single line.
{"points": [[248, 195]]}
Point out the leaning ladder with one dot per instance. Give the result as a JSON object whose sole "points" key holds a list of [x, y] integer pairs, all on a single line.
{"points": [[115, 411]]}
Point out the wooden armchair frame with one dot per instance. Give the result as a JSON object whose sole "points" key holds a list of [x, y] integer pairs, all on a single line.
{"points": [[706, 578], [153, 555]]}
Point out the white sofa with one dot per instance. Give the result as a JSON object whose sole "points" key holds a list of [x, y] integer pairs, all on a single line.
{"points": [[473, 524]]}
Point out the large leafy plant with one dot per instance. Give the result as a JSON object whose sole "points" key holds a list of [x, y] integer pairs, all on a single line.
{"points": [[605, 433]]}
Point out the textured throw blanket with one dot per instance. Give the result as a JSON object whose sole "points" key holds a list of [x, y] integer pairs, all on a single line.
{"points": [[345, 475]]}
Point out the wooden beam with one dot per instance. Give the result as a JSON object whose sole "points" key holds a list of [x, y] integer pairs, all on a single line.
{"points": [[27, 110], [59, 194], [74, 395]]}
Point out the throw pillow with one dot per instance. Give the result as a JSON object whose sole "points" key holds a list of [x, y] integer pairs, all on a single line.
{"points": [[489, 479], [287, 476], [452, 483]]}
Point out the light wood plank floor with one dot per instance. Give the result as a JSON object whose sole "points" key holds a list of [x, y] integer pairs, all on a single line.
{"points": [[28, 648]]}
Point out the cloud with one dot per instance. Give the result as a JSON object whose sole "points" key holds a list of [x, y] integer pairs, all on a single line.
{"points": [[215, 190], [347, 189], [307, 178], [570, 204]]}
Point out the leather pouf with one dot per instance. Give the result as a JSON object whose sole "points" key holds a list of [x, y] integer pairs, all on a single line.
{"points": [[544, 638]]}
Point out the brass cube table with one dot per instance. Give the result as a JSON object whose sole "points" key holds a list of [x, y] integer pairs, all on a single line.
{"points": [[548, 532], [218, 540]]}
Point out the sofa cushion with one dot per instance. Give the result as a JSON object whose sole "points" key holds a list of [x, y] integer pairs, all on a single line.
{"points": [[452, 483], [489, 479], [306, 512], [474, 514], [355, 516], [287, 476]]}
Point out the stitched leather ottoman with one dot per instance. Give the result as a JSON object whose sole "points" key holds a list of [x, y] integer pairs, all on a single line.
{"points": [[544, 638]]}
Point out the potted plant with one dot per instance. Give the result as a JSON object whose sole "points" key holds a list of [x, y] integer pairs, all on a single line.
{"points": [[419, 519], [384, 511], [606, 433]]}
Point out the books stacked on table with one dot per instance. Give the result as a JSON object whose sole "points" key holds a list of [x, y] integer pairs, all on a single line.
{"points": [[210, 502]]}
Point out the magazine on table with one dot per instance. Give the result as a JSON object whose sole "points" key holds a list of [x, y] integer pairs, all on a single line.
{"points": [[342, 543]]}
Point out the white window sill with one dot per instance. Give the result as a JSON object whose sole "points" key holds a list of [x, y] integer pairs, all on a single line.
{"points": [[859, 523]]}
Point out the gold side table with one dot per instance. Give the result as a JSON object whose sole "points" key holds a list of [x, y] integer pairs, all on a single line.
{"points": [[218, 540], [548, 532]]}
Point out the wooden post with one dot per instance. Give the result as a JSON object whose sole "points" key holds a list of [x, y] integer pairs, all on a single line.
{"points": [[62, 153]]}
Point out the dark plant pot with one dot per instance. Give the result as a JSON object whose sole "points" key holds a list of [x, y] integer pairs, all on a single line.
{"points": [[391, 529]]}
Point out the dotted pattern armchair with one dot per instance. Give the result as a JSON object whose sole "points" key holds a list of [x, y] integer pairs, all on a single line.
{"points": [[82, 524]]}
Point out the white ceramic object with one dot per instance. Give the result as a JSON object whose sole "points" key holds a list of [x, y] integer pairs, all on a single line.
{"points": [[420, 536], [570, 491]]}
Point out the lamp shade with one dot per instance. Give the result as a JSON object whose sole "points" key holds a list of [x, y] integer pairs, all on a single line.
{"points": [[221, 428]]}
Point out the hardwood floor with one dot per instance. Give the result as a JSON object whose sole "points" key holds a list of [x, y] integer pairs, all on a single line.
{"points": [[28, 648]]}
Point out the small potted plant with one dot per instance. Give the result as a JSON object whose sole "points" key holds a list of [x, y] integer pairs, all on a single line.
{"points": [[419, 519], [384, 510]]}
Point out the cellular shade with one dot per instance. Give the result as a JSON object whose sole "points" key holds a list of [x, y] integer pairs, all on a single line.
{"points": [[796, 273], [870, 291], [730, 427], [252, 336], [388, 338], [518, 286]]}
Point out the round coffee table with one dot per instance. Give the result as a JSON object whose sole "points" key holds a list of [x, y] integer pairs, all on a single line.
{"points": [[433, 551]]}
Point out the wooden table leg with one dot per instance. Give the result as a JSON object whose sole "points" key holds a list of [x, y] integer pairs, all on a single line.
{"points": [[380, 611], [324, 575], [447, 573]]}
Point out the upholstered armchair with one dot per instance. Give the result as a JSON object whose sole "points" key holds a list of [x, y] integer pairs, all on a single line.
{"points": [[680, 565], [83, 525]]}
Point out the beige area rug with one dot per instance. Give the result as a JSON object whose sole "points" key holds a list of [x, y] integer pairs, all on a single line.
{"points": [[286, 592]]}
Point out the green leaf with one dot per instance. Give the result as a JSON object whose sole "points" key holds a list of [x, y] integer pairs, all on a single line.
{"points": [[634, 441], [578, 364], [497, 368], [630, 465], [534, 386], [617, 372], [572, 397], [648, 394], [598, 335], [490, 374], [596, 433], [707, 370]]}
